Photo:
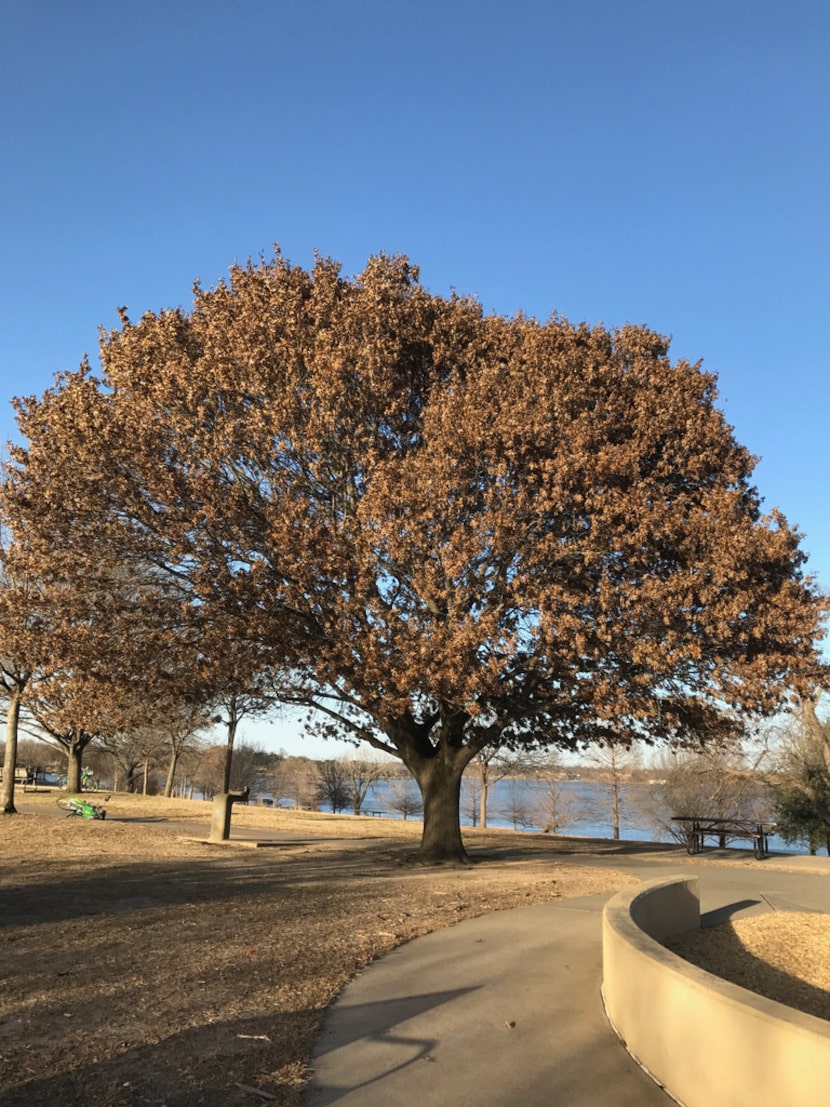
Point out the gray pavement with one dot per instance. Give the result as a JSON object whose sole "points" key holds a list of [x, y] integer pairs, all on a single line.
{"points": [[507, 1008]]}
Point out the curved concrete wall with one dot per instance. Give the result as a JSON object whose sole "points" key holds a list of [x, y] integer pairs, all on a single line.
{"points": [[708, 1042]]}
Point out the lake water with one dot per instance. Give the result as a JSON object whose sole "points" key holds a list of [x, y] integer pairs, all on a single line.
{"points": [[584, 810]]}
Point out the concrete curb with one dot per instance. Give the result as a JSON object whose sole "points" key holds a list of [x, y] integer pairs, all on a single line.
{"points": [[703, 1039]]}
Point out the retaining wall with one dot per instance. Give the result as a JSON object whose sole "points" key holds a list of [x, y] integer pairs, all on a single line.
{"points": [[708, 1042]]}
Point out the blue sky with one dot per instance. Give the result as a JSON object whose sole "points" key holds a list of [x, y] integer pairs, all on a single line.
{"points": [[654, 161]]}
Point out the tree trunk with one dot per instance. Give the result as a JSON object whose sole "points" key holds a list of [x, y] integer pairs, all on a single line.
{"points": [[146, 775], [473, 798], [10, 759], [171, 772], [232, 721], [485, 791], [359, 794], [74, 755], [440, 782]]}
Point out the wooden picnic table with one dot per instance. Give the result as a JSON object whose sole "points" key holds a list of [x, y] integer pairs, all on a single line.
{"points": [[697, 828]]}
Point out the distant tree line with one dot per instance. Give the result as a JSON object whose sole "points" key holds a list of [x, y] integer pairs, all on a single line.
{"points": [[786, 779]]}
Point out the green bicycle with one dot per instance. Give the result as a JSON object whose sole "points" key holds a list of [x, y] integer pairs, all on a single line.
{"points": [[83, 808], [88, 781]]}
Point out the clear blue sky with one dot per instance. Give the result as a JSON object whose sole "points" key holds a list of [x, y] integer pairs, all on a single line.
{"points": [[655, 161]]}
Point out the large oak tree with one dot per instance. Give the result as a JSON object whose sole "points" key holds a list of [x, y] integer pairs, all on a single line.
{"points": [[454, 530]]}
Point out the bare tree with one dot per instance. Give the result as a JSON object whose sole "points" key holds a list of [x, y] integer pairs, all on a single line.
{"points": [[404, 798], [517, 807], [146, 747], [494, 764], [556, 808], [247, 692], [301, 777], [208, 773], [615, 763], [123, 754], [714, 782], [471, 797], [362, 773], [275, 775], [188, 769], [800, 781], [37, 757], [333, 784]]}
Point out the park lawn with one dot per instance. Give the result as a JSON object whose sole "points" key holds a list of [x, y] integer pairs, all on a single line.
{"points": [[141, 965]]}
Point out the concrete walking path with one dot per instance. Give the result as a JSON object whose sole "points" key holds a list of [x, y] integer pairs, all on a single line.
{"points": [[507, 1009]]}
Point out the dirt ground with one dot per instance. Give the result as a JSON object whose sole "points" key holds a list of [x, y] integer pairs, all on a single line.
{"points": [[139, 965]]}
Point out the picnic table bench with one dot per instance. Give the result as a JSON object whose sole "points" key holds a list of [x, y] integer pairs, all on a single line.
{"points": [[21, 775], [697, 828]]}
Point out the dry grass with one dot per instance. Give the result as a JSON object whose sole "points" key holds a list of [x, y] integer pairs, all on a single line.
{"points": [[782, 955], [142, 967], [139, 965]]}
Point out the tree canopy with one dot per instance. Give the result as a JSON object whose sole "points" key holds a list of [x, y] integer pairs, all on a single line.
{"points": [[454, 530]]}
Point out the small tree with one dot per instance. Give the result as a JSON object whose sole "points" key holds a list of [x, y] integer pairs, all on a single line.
{"points": [[21, 650], [361, 774], [471, 797], [615, 763], [403, 797], [181, 732], [36, 755], [556, 808], [250, 762], [69, 717], [189, 769], [124, 758], [91, 643], [301, 782], [798, 821], [517, 807], [247, 693], [209, 771], [494, 764], [333, 785], [800, 785], [14, 679], [274, 776]]}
